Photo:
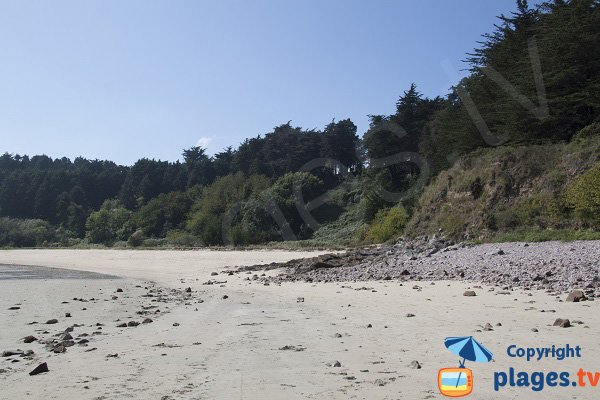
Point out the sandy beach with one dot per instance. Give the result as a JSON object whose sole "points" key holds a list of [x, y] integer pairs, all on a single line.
{"points": [[238, 337]]}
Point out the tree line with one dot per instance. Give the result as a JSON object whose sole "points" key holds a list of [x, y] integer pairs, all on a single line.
{"points": [[534, 79]]}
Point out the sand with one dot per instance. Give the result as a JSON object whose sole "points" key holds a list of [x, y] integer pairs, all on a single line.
{"points": [[234, 348]]}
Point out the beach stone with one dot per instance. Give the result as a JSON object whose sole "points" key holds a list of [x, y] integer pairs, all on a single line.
{"points": [[52, 321], [415, 364], [29, 339], [379, 382], [68, 315], [534, 330], [188, 290], [8, 353], [225, 297], [119, 290], [59, 349], [338, 335], [40, 369], [132, 323], [410, 315], [14, 308], [214, 273], [469, 293], [337, 364], [175, 323], [147, 321], [67, 336], [576, 296], [122, 325], [488, 327], [369, 326], [563, 323]]}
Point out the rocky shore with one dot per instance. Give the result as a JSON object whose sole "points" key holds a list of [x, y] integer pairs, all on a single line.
{"points": [[556, 267]]}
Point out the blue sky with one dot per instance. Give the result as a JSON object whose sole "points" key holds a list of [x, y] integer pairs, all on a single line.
{"points": [[122, 80]]}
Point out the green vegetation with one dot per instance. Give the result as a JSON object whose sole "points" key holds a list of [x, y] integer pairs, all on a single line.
{"points": [[496, 158], [386, 225]]}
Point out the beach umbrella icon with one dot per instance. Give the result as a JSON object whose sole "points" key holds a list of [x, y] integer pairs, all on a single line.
{"points": [[469, 349]]}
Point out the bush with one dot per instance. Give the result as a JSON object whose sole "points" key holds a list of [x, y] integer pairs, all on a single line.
{"points": [[387, 224], [165, 212], [206, 218], [583, 195], [182, 238], [25, 232], [109, 224]]}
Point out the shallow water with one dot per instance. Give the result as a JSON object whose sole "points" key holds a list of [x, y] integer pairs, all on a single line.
{"points": [[11, 272]]}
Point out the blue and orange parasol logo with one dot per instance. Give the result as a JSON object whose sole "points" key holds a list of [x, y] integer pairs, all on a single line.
{"points": [[458, 382]]}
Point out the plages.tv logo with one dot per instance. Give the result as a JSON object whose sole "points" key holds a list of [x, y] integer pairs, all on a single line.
{"points": [[458, 382]]}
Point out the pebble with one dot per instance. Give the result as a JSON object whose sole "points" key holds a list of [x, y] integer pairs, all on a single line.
{"points": [[469, 293]]}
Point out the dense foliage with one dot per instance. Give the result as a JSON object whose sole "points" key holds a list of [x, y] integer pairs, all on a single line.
{"points": [[534, 80]]}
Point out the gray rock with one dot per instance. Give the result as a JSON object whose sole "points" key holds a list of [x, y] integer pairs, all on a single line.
{"points": [[415, 364], [59, 349], [337, 364], [29, 339], [40, 369], [563, 323], [469, 293], [576, 296], [8, 353], [52, 321]]}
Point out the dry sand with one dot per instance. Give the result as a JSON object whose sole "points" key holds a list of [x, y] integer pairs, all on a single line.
{"points": [[232, 348]]}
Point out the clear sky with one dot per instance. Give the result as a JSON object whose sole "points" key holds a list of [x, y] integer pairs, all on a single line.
{"points": [[125, 79]]}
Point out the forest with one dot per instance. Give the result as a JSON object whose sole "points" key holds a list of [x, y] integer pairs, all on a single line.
{"points": [[534, 80]]}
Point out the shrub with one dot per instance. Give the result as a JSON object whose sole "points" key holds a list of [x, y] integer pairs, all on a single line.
{"points": [[387, 224], [182, 238], [109, 224], [25, 232], [583, 195]]}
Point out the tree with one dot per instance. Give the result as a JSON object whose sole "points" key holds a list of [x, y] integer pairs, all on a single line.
{"points": [[109, 224]]}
